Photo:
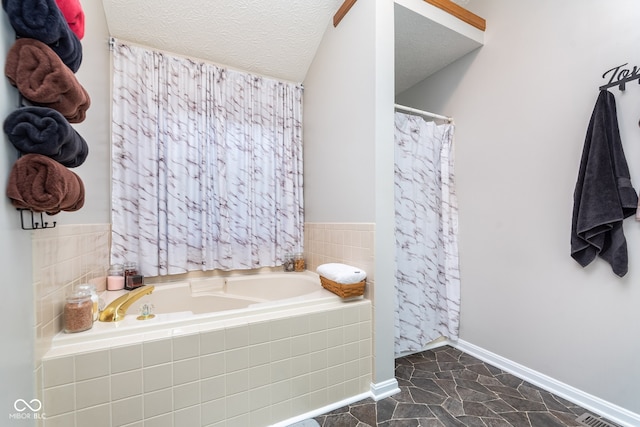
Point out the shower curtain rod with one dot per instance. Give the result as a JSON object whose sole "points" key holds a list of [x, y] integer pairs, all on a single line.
{"points": [[423, 113]]}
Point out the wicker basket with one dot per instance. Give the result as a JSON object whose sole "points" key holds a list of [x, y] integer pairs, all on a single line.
{"points": [[343, 291]]}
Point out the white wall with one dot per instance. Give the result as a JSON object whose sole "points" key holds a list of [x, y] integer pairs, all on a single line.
{"points": [[522, 104], [339, 97], [348, 150]]}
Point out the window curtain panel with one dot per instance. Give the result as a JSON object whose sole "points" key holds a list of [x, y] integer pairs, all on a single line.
{"points": [[206, 165], [426, 225]]}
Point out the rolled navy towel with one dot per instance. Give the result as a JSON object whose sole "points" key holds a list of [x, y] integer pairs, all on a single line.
{"points": [[74, 15], [43, 79], [43, 20], [41, 184], [42, 130]]}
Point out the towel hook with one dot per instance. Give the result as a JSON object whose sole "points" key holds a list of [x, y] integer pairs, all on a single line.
{"points": [[35, 225]]}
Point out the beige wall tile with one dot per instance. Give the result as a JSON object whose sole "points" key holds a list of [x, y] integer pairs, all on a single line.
{"points": [[126, 384], [96, 416], [92, 392], [185, 347], [92, 365], [58, 371], [156, 352], [158, 402], [126, 411], [157, 377], [126, 358]]}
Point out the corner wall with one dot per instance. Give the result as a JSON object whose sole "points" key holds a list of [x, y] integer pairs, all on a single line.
{"points": [[521, 105], [348, 135]]}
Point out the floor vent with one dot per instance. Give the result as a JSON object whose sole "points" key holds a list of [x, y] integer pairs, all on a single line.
{"points": [[590, 420]]}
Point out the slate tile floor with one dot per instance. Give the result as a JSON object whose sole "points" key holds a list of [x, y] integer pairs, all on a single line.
{"points": [[445, 387]]}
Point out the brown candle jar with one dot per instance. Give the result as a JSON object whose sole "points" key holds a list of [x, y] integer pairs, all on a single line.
{"points": [[78, 312]]}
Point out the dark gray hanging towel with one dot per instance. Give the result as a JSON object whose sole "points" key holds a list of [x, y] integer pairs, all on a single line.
{"points": [[603, 196]]}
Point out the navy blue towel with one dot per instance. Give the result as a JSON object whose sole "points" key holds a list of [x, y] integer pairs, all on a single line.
{"points": [[41, 130], [603, 196], [42, 20]]}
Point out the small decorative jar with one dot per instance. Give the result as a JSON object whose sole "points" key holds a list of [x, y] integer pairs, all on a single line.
{"points": [[78, 311], [130, 268], [115, 277], [288, 264], [95, 299], [298, 262]]}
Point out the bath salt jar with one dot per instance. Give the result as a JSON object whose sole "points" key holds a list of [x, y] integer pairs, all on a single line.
{"points": [[298, 262], [78, 311], [288, 263], [95, 299], [115, 277]]}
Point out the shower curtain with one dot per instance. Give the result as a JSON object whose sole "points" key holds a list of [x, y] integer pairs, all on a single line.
{"points": [[426, 222], [206, 163]]}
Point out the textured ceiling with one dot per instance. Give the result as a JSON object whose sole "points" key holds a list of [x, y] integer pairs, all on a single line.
{"points": [[279, 38], [276, 38], [424, 46]]}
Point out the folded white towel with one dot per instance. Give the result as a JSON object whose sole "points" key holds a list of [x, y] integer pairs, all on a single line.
{"points": [[341, 273]]}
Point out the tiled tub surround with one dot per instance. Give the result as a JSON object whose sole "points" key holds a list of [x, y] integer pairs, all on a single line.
{"points": [[63, 257], [347, 243], [253, 371]]}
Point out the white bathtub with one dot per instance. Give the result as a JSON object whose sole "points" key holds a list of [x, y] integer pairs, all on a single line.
{"points": [[197, 304], [249, 350]]}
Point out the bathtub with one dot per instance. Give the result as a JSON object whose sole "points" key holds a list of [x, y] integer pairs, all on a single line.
{"points": [[253, 350], [195, 304]]}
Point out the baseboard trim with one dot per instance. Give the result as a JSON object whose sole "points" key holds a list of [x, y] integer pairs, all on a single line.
{"points": [[323, 410], [592, 403], [384, 389]]}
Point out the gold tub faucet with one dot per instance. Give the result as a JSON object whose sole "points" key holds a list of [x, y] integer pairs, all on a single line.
{"points": [[117, 309]]}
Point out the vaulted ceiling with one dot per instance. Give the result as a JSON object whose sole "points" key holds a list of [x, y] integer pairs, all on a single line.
{"points": [[277, 38]]}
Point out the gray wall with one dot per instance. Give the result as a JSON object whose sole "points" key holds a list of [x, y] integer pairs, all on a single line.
{"points": [[17, 308], [522, 104]]}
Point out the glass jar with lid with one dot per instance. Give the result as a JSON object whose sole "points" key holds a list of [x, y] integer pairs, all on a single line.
{"points": [[115, 277], [95, 298], [78, 311], [298, 262]]}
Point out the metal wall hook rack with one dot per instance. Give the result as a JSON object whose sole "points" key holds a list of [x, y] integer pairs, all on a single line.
{"points": [[35, 225], [620, 76]]}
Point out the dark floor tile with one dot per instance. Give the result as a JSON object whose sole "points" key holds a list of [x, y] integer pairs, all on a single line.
{"points": [[385, 408], [545, 419], [428, 384], [478, 410], [447, 388], [445, 417], [400, 423], [471, 421], [412, 410], [454, 407], [365, 413], [423, 396], [524, 404], [338, 420], [517, 419]]}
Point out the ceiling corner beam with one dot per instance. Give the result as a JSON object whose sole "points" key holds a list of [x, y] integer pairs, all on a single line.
{"points": [[344, 9], [460, 13]]}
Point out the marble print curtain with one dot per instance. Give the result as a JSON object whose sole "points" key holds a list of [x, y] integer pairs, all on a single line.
{"points": [[427, 274], [206, 164]]}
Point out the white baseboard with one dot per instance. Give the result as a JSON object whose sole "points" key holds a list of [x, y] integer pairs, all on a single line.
{"points": [[378, 391], [591, 403], [323, 410], [384, 389]]}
